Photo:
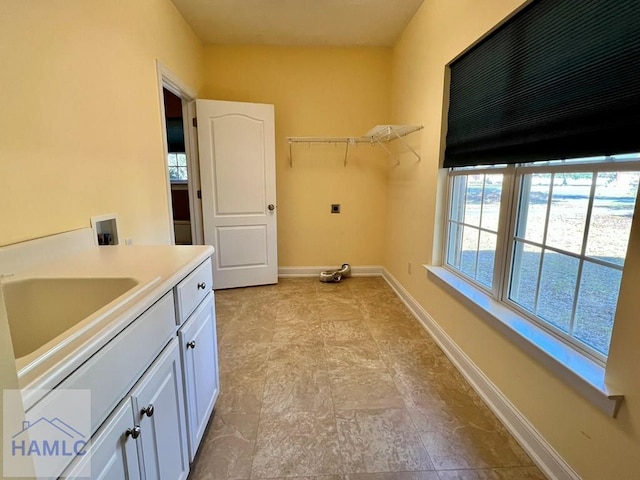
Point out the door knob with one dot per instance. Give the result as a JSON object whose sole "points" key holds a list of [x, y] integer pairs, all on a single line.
{"points": [[271, 207], [133, 432], [191, 344], [148, 411]]}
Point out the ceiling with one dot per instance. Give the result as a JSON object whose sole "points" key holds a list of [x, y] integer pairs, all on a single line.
{"points": [[299, 22]]}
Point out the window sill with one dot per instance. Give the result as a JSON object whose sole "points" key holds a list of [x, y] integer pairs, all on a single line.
{"points": [[579, 372]]}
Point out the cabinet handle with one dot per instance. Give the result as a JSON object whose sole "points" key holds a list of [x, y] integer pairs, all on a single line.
{"points": [[148, 411], [191, 344], [133, 432], [202, 286]]}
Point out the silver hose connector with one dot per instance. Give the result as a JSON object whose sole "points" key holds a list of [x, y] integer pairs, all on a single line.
{"points": [[334, 276]]}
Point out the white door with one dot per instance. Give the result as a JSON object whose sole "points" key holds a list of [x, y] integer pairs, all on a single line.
{"points": [[236, 144]]}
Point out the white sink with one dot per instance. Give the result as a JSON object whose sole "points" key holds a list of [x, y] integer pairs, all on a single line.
{"points": [[40, 309]]}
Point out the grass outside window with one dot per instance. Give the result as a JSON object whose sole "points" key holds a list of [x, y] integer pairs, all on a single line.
{"points": [[548, 240]]}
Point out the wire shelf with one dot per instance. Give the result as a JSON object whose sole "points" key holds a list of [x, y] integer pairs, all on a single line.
{"points": [[379, 135]]}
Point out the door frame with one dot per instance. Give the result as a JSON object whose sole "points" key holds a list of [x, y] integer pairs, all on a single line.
{"points": [[167, 79]]}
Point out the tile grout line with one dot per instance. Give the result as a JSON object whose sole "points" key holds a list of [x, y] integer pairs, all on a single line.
{"points": [[264, 387], [333, 402], [404, 401]]}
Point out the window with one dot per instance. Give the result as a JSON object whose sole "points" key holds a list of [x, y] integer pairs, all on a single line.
{"points": [[177, 167], [548, 239], [473, 224]]}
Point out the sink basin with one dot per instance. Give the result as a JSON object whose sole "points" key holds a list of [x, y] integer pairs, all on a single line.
{"points": [[40, 309]]}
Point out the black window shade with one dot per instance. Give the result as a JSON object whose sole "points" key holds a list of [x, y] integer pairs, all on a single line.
{"points": [[561, 79], [175, 135]]}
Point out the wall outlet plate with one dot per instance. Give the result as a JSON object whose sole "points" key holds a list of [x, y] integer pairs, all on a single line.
{"points": [[335, 208]]}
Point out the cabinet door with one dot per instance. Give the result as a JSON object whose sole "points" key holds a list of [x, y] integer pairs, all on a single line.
{"points": [[158, 408], [112, 453], [200, 356]]}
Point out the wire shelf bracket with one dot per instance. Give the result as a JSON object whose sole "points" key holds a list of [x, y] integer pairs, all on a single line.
{"points": [[378, 135]]}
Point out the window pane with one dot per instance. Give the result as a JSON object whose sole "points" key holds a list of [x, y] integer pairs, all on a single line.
{"points": [[596, 307], [611, 217], [557, 289], [524, 275], [473, 200], [532, 212], [182, 159], [469, 251], [182, 173], [549, 248], [457, 198], [172, 159], [568, 212], [486, 258], [173, 173], [491, 202], [454, 244]]}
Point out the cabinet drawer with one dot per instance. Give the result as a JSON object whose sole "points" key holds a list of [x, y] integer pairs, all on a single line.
{"points": [[114, 369], [191, 290]]}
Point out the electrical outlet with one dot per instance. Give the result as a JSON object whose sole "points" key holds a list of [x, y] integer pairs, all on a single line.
{"points": [[335, 208], [409, 268]]}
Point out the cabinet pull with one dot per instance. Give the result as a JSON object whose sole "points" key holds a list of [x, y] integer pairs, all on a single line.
{"points": [[148, 411], [202, 286], [133, 432], [191, 344]]}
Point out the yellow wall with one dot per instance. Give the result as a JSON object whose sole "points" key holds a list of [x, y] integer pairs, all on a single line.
{"points": [[317, 92], [80, 135], [596, 446], [80, 130]]}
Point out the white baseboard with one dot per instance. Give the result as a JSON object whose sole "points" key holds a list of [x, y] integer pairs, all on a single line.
{"points": [[360, 271], [542, 453]]}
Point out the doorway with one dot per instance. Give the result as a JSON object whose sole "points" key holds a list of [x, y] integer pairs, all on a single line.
{"points": [[178, 167], [180, 161]]}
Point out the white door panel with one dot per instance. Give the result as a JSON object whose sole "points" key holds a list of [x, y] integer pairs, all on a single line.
{"points": [[233, 167], [237, 167], [243, 246]]}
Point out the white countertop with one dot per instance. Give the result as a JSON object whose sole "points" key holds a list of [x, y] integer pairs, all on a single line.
{"points": [[156, 269]]}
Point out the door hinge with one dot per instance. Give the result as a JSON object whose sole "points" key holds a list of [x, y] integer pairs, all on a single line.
{"points": [[199, 193], [194, 122]]}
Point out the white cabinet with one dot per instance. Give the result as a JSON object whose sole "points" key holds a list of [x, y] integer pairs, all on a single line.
{"points": [[112, 454], [111, 372], [145, 437], [199, 351], [153, 388], [158, 410]]}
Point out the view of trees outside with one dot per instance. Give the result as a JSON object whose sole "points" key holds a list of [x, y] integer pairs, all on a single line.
{"points": [[177, 167], [545, 281]]}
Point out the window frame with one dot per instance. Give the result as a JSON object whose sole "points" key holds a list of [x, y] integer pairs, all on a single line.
{"points": [[507, 187], [507, 228], [179, 168]]}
